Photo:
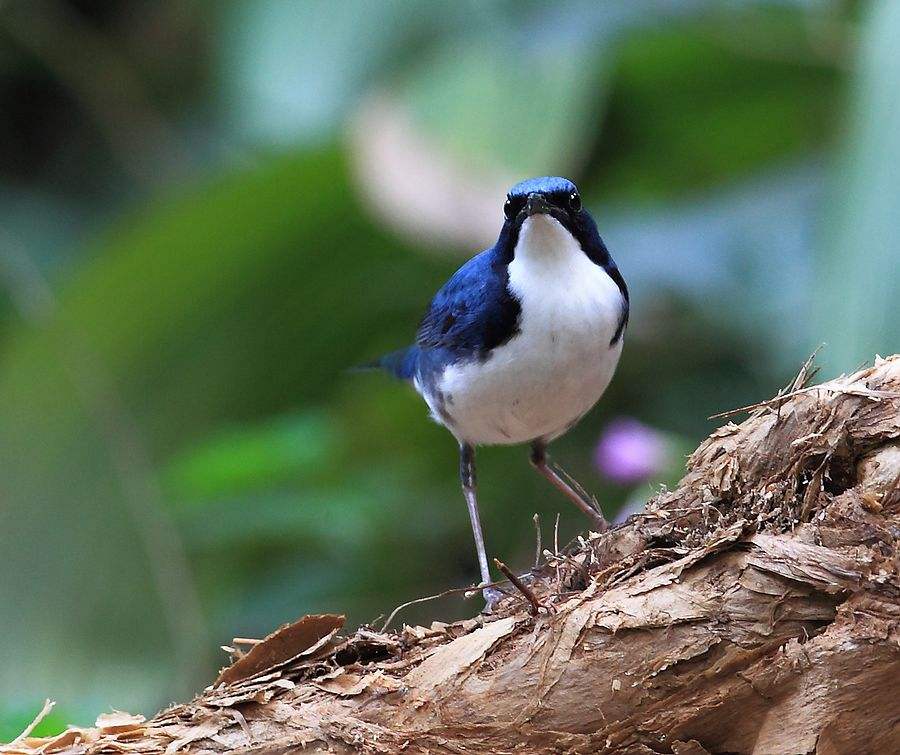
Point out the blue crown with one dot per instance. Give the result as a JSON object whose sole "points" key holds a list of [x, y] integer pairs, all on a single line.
{"points": [[542, 185]]}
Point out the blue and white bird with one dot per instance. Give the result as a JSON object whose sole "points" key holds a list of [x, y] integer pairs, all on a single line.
{"points": [[523, 339]]}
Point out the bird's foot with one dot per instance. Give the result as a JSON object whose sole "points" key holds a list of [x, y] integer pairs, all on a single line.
{"points": [[571, 490], [600, 524], [492, 596]]}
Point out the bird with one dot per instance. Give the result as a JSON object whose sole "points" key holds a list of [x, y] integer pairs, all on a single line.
{"points": [[522, 340]]}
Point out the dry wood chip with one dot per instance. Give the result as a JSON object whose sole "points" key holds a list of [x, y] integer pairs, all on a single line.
{"points": [[350, 684], [251, 696], [67, 740], [812, 564], [452, 659], [184, 734], [283, 646], [119, 722], [691, 747]]}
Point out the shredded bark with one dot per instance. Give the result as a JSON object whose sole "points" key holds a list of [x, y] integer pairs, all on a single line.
{"points": [[753, 609]]}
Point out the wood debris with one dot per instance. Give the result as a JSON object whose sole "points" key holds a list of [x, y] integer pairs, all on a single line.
{"points": [[753, 609]]}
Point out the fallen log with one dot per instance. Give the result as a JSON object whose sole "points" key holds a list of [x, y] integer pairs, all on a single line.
{"points": [[753, 609]]}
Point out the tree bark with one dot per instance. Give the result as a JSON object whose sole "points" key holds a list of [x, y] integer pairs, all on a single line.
{"points": [[754, 609]]}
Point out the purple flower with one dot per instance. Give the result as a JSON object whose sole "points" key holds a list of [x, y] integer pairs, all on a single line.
{"points": [[630, 452]]}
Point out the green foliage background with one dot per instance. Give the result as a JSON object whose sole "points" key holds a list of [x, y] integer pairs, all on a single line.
{"points": [[189, 269]]}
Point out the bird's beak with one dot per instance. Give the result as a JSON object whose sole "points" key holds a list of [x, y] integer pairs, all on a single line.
{"points": [[536, 204]]}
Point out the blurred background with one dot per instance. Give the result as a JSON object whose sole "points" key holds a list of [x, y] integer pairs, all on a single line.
{"points": [[208, 211]]}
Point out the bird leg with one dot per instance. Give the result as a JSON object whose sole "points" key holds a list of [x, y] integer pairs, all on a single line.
{"points": [[468, 480], [541, 463]]}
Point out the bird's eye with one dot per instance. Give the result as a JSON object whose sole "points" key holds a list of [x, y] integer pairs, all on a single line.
{"points": [[508, 209], [575, 202]]}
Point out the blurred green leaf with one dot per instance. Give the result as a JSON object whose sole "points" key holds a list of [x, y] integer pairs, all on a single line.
{"points": [[13, 721], [275, 87], [469, 97], [857, 296], [687, 110], [227, 303], [238, 459]]}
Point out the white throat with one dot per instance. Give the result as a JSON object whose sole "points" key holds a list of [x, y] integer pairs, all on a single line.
{"points": [[544, 241], [563, 293]]}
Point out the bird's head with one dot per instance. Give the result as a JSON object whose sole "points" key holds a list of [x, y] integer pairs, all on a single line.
{"points": [[549, 195], [549, 212]]}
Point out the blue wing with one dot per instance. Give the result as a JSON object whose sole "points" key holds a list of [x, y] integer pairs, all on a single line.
{"points": [[474, 311], [470, 315]]}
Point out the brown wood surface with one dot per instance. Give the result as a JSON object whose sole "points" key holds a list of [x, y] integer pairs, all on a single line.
{"points": [[754, 609]]}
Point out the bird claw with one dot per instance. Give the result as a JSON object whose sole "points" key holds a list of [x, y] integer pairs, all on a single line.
{"points": [[492, 596]]}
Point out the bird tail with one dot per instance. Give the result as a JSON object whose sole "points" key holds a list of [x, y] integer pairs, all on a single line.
{"points": [[401, 363]]}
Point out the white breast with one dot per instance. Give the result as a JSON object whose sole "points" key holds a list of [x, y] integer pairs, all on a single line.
{"points": [[545, 378]]}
